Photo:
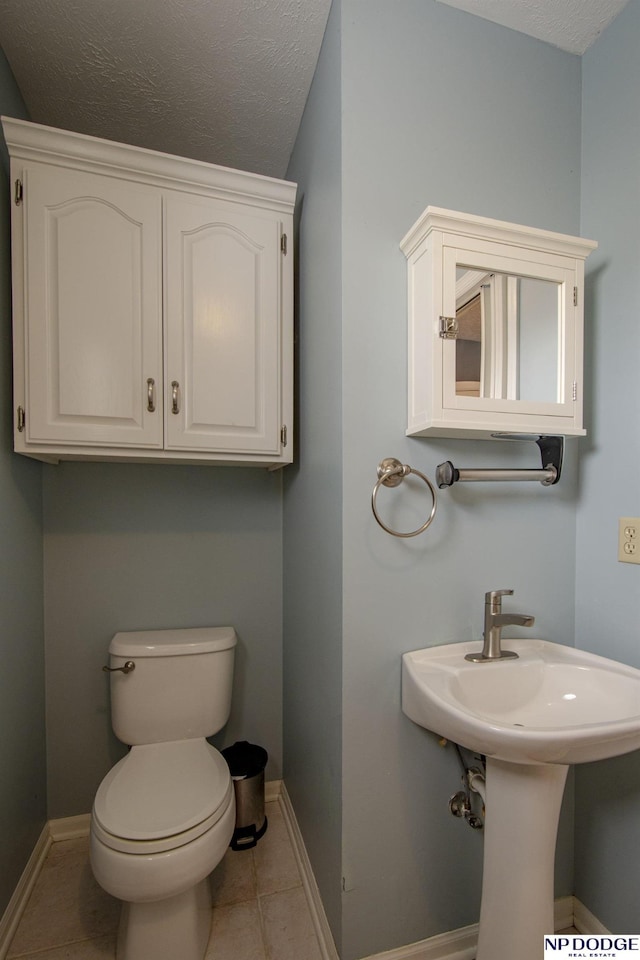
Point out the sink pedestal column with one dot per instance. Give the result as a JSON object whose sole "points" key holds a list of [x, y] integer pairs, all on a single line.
{"points": [[522, 810]]}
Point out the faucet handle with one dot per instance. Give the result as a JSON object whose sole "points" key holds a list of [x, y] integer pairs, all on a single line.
{"points": [[494, 596]]}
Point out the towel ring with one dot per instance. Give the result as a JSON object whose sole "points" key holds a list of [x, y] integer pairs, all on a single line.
{"points": [[391, 473]]}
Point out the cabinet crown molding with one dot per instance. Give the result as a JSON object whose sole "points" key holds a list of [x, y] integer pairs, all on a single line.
{"points": [[499, 231], [31, 141]]}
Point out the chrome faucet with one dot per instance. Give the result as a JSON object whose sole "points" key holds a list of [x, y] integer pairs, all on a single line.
{"points": [[494, 621]]}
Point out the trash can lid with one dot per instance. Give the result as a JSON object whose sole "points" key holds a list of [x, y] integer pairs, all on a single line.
{"points": [[245, 759]]}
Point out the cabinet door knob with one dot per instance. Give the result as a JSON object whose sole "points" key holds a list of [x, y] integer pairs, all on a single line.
{"points": [[175, 396], [151, 395]]}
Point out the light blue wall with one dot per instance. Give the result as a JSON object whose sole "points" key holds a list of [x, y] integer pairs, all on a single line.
{"points": [[608, 592], [436, 107], [22, 743], [149, 546], [313, 489], [442, 108]]}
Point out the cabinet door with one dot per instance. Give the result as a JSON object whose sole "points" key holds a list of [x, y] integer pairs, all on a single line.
{"points": [[93, 337], [222, 326]]}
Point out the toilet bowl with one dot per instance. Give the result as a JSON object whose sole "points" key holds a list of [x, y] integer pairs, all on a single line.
{"points": [[164, 815]]}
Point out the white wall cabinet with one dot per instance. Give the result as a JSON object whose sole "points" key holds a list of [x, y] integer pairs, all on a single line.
{"points": [[153, 302], [495, 327]]}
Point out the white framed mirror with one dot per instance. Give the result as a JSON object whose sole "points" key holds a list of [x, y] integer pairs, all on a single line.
{"points": [[495, 327], [509, 332]]}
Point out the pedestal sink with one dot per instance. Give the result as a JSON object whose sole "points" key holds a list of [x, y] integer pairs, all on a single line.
{"points": [[531, 717]]}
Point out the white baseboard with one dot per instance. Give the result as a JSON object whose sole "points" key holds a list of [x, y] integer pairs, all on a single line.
{"points": [[461, 944], [70, 828], [563, 913], [318, 916], [585, 922], [272, 790], [16, 906], [454, 945], [458, 944]]}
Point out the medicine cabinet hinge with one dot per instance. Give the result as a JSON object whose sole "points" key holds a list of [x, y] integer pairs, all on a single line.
{"points": [[283, 244], [575, 296], [21, 419], [18, 193], [283, 436], [574, 393], [448, 328]]}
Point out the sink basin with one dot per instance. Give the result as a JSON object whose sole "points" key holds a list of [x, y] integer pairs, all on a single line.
{"points": [[554, 704]]}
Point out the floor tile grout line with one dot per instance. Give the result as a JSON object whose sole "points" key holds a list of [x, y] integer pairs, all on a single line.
{"points": [[57, 946], [263, 931], [274, 893]]}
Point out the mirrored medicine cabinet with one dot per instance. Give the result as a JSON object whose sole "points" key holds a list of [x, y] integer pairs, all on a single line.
{"points": [[495, 327]]}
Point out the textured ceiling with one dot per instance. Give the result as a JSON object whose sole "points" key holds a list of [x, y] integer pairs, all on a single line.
{"points": [[572, 25], [219, 80], [224, 81]]}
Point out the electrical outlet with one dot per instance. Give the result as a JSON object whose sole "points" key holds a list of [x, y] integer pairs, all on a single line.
{"points": [[629, 539]]}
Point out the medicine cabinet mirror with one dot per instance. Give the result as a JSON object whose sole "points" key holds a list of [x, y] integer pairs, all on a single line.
{"points": [[495, 327]]}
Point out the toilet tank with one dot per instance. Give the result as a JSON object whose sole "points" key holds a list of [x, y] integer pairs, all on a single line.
{"points": [[180, 687]]}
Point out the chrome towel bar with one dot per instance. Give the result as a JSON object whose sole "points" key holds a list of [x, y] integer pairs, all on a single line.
{"points": [[551, 453]]}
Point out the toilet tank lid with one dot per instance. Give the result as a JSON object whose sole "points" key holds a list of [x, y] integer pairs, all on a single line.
{"points": [[172, 643]]}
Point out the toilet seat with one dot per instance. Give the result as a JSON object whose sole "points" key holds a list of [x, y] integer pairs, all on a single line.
{"points": [[161, 796]]}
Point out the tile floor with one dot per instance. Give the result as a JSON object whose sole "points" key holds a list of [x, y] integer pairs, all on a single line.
{"points": [[260, 910]]}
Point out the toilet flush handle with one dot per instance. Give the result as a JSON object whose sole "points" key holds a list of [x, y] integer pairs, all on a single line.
{"points": [[127, 668]]}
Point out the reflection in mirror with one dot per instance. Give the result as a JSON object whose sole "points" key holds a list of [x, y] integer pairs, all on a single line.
{"points": [[508, 333]]}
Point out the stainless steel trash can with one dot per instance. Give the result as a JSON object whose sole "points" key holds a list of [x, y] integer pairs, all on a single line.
{"points": [[246, 763]]}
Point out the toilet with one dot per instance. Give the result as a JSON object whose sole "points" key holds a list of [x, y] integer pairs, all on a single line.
{"points": [[164, 815]]}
